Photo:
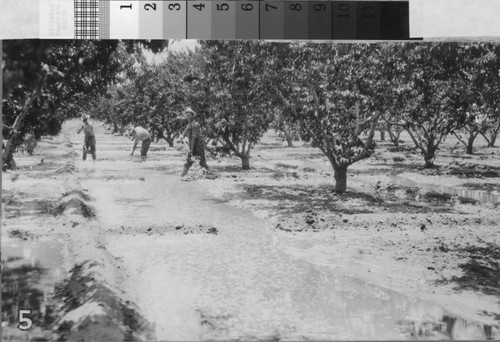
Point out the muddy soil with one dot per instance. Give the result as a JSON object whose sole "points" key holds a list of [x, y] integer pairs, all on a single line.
{"points": [[124, 249]]}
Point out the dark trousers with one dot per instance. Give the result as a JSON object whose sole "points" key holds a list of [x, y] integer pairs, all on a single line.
{"points": [[89, 146], [199, 151], [145, 147]]}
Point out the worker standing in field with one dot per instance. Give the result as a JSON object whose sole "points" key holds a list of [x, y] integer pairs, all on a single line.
{"points": [[140, 134], [89, 140], [196, 146]]}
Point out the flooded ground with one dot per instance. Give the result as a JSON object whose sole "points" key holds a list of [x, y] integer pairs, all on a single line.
{"points": [[121, 249]]}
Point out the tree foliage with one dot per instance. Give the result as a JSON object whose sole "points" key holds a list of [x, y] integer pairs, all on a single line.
{"points": [[152, 96], [336, 94], [479, 84], [46, 82], [234, 99], [430, 102]]}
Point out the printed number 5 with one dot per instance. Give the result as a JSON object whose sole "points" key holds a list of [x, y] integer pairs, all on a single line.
{"points": [[25, 323]]}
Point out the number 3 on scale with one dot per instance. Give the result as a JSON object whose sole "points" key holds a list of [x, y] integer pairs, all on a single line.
{"points": [[25, 322]]}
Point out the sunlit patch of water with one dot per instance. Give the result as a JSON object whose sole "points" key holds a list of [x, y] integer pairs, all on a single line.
{"points": [[479, 195], [30, 274], [239, 284]]}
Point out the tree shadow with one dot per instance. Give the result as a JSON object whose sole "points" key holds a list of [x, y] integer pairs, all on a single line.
{"points": [[293, 199], [21, 290], [118, 320], [481, 272]]}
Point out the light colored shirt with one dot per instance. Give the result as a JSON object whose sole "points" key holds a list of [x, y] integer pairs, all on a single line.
{"points": [[140, 134], [193, 131], [88, 130]]}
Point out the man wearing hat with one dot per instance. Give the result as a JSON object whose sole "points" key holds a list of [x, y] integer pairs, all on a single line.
{"points": [[89, 140], [140, 134], [196, 147]]}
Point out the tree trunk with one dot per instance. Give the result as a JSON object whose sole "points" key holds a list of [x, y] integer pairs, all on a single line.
{"points": [[493, 140], [429, 159], [169, 138], [492, 136], [382, 135], [289, 139], [8, 161], [393, 136], [470, 143], [340, 175], [245, 162]]}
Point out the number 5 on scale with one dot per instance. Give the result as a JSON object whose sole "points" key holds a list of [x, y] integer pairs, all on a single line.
{"points": [[25, 322]]}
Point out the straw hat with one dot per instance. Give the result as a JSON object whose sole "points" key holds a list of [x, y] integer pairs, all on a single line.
{"points": [[189, 110]]}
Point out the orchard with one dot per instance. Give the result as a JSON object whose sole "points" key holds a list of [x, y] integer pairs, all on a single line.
{"points": [[344, 191], [333, 96]]}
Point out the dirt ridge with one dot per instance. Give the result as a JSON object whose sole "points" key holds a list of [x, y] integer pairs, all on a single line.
{"points": [[90, 308]]}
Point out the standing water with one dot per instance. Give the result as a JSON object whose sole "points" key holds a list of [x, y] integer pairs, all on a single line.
{"points": [[30, 275], [478, 195], [239, 282]]}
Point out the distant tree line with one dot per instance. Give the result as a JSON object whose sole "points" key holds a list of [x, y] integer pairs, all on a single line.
{"points": [[335, 96]]}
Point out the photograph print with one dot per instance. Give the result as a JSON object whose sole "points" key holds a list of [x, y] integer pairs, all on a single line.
{"points": [[189, 190]]}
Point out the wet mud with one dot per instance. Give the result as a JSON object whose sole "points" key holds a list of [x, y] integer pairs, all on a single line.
{"points": [[123, 249], [90, 310]]}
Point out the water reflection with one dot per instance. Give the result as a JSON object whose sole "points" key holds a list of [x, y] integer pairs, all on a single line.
{"points": [[450, 327], [478, 195], [247, 287], [30, 273]]}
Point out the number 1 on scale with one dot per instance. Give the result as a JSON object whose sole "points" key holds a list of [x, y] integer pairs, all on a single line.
{"points": [[124, 19]]}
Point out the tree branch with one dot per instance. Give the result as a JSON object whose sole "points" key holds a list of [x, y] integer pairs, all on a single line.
{"points": [[19, 122], [459, 138], [232, 147]]}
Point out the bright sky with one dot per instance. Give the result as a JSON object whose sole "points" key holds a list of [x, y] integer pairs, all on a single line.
{"points": [[183, 44], [175, 45]]}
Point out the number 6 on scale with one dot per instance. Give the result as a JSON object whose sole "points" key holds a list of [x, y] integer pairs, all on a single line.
{"points": [[25, 323]]}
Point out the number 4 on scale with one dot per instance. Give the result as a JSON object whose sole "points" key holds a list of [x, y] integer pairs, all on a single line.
{"points": [[199, 7], [25, 322]]}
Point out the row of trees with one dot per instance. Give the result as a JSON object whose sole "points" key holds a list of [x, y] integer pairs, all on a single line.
{"points": [[335, 96], [46, 82]]}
